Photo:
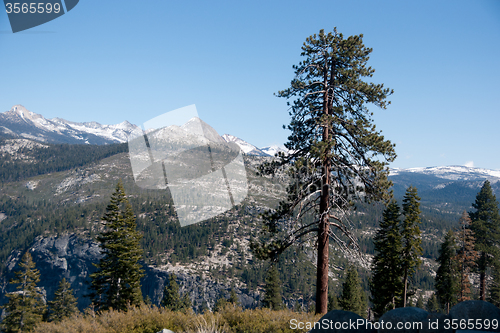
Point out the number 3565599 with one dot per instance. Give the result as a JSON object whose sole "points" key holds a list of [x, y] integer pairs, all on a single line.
{"points": [[32, 8]]}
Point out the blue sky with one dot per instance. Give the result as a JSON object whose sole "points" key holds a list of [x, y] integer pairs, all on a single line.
{"points": [[110, 61]]}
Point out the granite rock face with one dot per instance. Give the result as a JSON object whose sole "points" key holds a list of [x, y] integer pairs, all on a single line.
{"points": [[409, 319], [71, 257], [480, 312]]}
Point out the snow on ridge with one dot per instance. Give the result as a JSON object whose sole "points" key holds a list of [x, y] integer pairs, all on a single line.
{"points": [[113, 133], [246, 147], [452, 172], [273, 149]]}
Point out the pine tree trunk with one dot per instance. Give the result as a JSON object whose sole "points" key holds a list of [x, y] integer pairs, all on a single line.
{"points": [[323, 238], [482, 287], [405, 289]]}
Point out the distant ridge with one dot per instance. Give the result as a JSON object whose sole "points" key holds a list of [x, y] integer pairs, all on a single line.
{"points": [[21, 123]]}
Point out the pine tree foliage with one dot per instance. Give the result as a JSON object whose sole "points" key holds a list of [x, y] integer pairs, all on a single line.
{"points": [[333, 302], [466, 257], [494, 296], [433, 304], [486, 227], [386, 284], [64, 303], [172, 299], [26, 306], [420, 302], [116, 283], [233, 298], [336, 154], [272, 290], [411, 237], [353, 297], [447, 275]]}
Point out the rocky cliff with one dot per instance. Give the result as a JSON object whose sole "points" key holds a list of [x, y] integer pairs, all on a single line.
{"points": [[71, 257]]}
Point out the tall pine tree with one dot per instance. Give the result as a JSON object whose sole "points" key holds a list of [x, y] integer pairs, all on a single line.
{"points": [[353, 297], [386, 284], [116, 283], [64, 303], [447, 275], [486, 227], [411, 237], [26, 306], [466, 257], [336, 154]]}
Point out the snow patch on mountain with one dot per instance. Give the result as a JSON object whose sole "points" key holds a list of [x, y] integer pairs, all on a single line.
{"points": [[453, 172], [20, 122], [274, 149], [246, 147]]}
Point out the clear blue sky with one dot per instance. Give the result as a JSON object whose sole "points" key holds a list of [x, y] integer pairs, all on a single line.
{"points": [[109, 61]]}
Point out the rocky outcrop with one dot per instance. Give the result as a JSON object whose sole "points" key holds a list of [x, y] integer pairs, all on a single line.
{"points": [[71, 257], [407, 320], [481, 315]]}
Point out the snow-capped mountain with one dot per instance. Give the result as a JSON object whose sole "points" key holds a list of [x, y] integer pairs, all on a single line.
{"points": [[274, 149], [19, 122], [246, 147], [453, 172]]}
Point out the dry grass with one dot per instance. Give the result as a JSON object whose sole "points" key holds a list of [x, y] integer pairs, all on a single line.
{"points": [[147, 319]]}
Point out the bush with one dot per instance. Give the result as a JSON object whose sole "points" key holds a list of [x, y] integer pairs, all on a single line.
{"points": [[146, 319]]}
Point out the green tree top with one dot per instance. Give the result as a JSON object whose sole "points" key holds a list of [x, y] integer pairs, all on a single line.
{"points": [[272, 290], [64, 303], [447, 276], [353, 297], [386, 284], [26, 306], [411, 236], [116, 283], [172, 298], [486, 228]]}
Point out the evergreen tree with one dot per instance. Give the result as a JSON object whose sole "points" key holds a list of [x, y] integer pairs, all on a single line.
{"points": [[494, 296], [172, 298], [447, 277], [386, 285], [336, 154], [420, 302], [64, 303], [411, 237], [26, 306], [352, 297], [433, 304], [486, 227], [116, 283], [272, 297], [466, 257], [233, 298], [333, 302]]}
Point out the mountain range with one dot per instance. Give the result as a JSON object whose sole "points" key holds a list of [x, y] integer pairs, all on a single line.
{"points": [[18, 122]]}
